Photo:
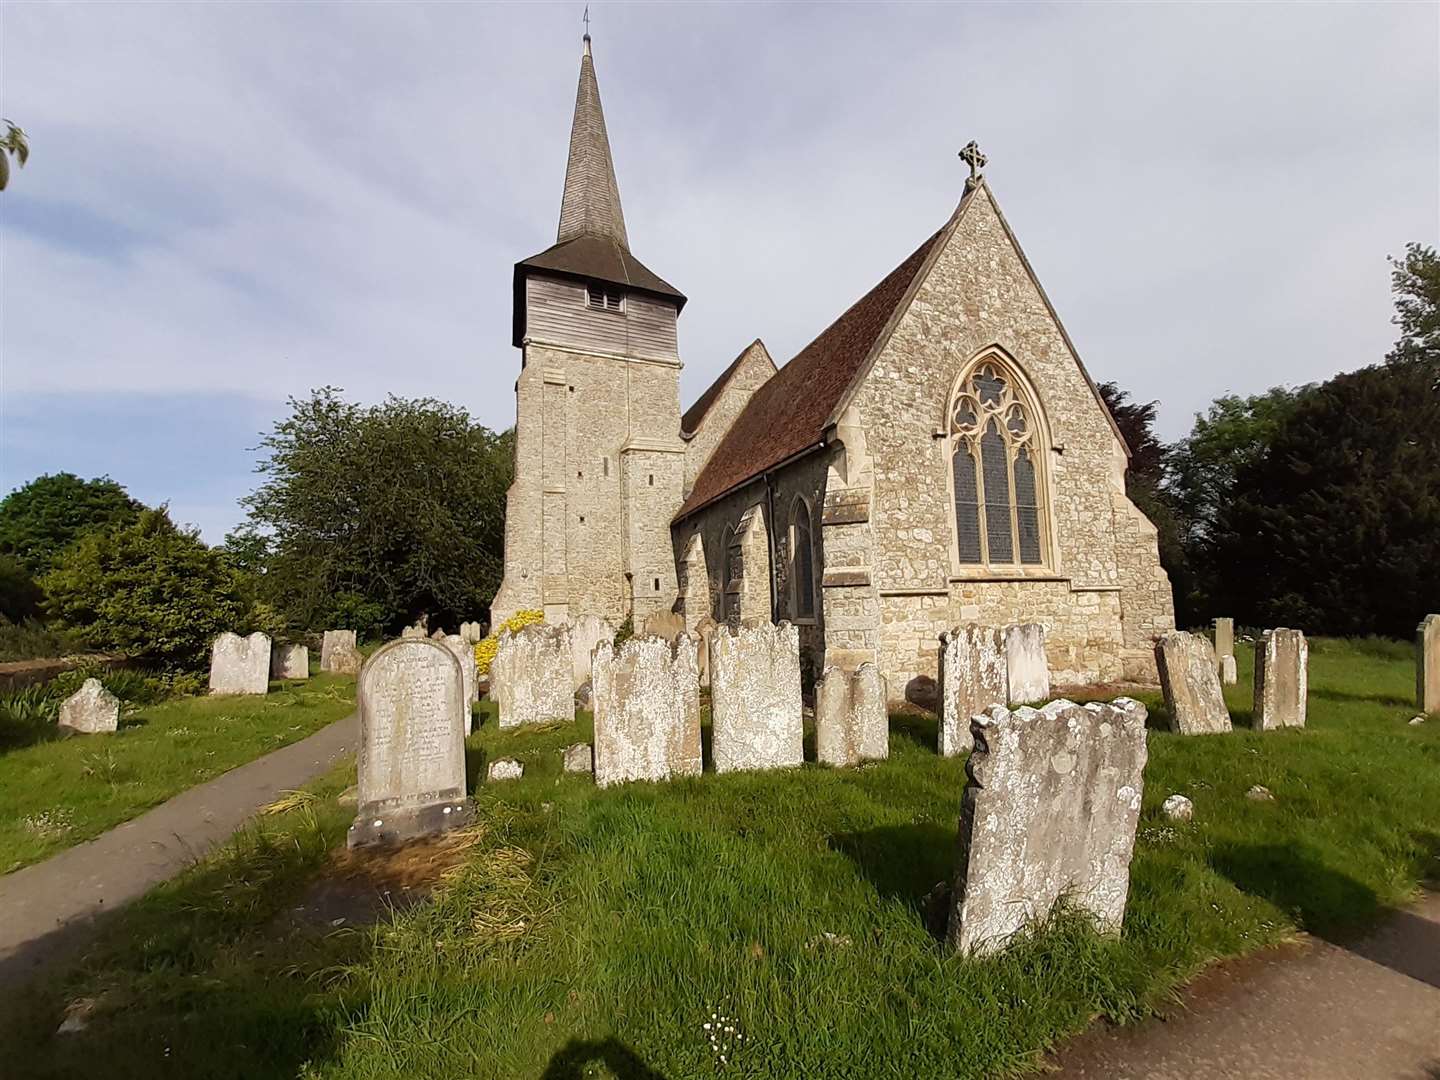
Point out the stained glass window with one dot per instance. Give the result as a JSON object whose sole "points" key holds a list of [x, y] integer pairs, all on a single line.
{"points": [[802, 553], [995, 469], [1027, 508], [967, 504]]}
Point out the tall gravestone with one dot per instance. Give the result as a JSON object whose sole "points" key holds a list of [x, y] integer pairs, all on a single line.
{"points": [[755, 697], [1049, 810], [289, 662], [1225, 650], [647, 710], [973, 678], [1191, 684], [586, 632], [336, 648], [532, 676], [704, 631], [240, 665], [1427, 664], [465, 654], [851, 721], [411, 763], [90, 710], [1282, 663], [1027, 670]]}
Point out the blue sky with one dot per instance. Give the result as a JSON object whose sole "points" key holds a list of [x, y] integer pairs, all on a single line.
{"points": [[228, 204]]}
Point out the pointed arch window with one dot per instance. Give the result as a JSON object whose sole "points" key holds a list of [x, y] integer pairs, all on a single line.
{"points": [[802, 562], [996, 470]]}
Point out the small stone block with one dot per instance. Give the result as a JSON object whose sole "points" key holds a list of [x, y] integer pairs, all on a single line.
{"points": [[1178, 808], [505, 769], [579, 758], [90, 710]]}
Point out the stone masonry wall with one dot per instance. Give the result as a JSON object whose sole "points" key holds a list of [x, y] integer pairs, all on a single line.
{"points": [[754, 368]]}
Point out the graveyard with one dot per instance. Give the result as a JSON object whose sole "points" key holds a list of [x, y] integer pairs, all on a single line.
{"points": [[793, 906]]}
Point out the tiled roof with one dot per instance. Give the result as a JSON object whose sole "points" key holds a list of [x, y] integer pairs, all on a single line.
{"points": [[690, 422]]}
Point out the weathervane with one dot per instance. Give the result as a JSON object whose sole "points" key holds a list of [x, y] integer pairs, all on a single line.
{"points": [[972, 156], [586, 17]]}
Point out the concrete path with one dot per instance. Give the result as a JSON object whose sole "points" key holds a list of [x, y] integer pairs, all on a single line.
{"points": [[1315, 1011], [46, 909]]}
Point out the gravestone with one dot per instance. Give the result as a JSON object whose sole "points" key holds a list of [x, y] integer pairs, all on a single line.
{"points": [[1049, 810], [465, 653], [1027, 669], [289, 662], [851, 722], [755, 697], [412, 632], [704, 631], [335, 645], [533, 676], [411, 762], [973, 679], [585, 633], [665, 624], [1227, 671], [647, 710], [505, 769], [90, 710], [578, 758], [240, 665], [1224, 638], [1191, 683], [1427, 664], [1282, 662], [470, 631], [438, 634]]}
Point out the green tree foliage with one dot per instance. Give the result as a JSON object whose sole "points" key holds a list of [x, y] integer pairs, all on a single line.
{"points": [[146, 589], [20, 596], [13, 142], [375, 515], [47, 515], [1415, 280], [1335, 527]]}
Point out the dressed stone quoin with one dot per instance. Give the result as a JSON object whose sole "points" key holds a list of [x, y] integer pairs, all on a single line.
{"points": [[936, 457]]}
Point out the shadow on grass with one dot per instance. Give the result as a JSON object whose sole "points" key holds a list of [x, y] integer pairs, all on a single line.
{"points": [[1323, 901], [902, 862], [476, 762], [921, 729], [573, 1061], [1374, 699]]}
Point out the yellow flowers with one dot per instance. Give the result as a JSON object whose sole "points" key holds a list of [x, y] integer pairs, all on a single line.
{"points": [[485, 648]]}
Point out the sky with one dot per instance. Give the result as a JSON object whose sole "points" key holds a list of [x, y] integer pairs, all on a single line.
{"points": [[230, 204]]}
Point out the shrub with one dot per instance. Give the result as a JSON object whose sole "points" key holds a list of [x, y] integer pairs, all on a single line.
{"points": [[485, 648], [47, 515], [32, 640]]}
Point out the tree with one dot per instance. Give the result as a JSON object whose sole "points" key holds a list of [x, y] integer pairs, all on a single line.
{"points": [[12, 142], [1415, 281], [146, 589], [375, 515], [47, 515]]}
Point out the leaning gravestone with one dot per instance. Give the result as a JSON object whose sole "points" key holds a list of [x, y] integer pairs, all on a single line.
{"points": [[1427, 664], [1027, 669], [240, 665], [585, 633], [647, 710], [532, 676], [1050, 810], [973, 679], [1282, 662], [289, 662], [851, 722], [1191, 684], [665, 624], [333, 645], [465, 653], [755, 697], [90, 710], [411, 762]]}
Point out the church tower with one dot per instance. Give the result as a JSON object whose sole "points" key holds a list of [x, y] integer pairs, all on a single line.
{"points": [[599, 463]]}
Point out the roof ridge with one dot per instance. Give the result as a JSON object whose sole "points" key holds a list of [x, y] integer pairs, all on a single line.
{"points": [[695, 415]]}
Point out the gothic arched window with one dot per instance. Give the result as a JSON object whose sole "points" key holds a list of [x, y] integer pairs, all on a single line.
{"points": [[802, 562], [996, 468], [727, 567]]}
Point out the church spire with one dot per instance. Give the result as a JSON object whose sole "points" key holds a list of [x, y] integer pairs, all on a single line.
{"points": [[591, 204]]}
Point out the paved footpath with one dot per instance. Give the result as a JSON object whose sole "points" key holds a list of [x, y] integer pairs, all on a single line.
{"points": [[46, 909], [1369, 1010]]}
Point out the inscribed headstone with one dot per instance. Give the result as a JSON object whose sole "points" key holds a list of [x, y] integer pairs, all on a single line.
{"points": [[665, 624], [585, 633], [851, 722], [240, 665], [335, 644], [1282, 663], [1427, 664], [973, 679], [290, 662], [411, 762], [1027, 669], [1050, 810], [1191, 684], [533, 675], [647, 710], [91, 709], [755, 697]]}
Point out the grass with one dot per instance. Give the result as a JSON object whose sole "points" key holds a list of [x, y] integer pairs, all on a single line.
{"points": [[59, 791], [595, 933]]}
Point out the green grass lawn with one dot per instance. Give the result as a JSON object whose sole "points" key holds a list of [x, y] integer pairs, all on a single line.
{"points": [[60, 792], [594, 933]]}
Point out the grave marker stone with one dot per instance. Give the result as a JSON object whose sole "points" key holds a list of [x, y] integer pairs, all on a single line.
{"points": [[755, 697], [290, 662], [1427, 664], [90, 710], [532, 677], [647, 710], [240, 665], [465, 653], [333, 645], [1282, 662], [665, 624], [973, 678], [851, 722], [585, 633], [1027, 669], [1190, 680], [1224, 638]]}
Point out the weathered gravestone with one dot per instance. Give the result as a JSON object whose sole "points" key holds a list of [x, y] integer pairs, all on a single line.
{"points": [[1225, 650], [1027, 670], [973, 678], [533, 676], [665, 624], [1049, 810], [1191, 684], [465, 653], [411, 762], [240, 665], [851, 722], [470, 631], [1427, 664], [755, 697], [1282, 662], [337, 647], [585, 633], [578, 758], [647, 710], [412, 632], [704, 631], [90, 710], [1227, 670], [289, 662], [438, 634]]}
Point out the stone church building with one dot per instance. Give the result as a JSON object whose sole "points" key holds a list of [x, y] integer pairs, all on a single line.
{"points": [[937, 455]]}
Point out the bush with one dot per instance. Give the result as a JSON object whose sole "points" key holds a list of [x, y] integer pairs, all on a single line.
{"points": [[32, 640], [147, 590], [485, 648], [47, 515]]}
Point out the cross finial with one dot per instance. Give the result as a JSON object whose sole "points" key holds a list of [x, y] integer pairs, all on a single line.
{"points": [[972, 156], [586, 18]]}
